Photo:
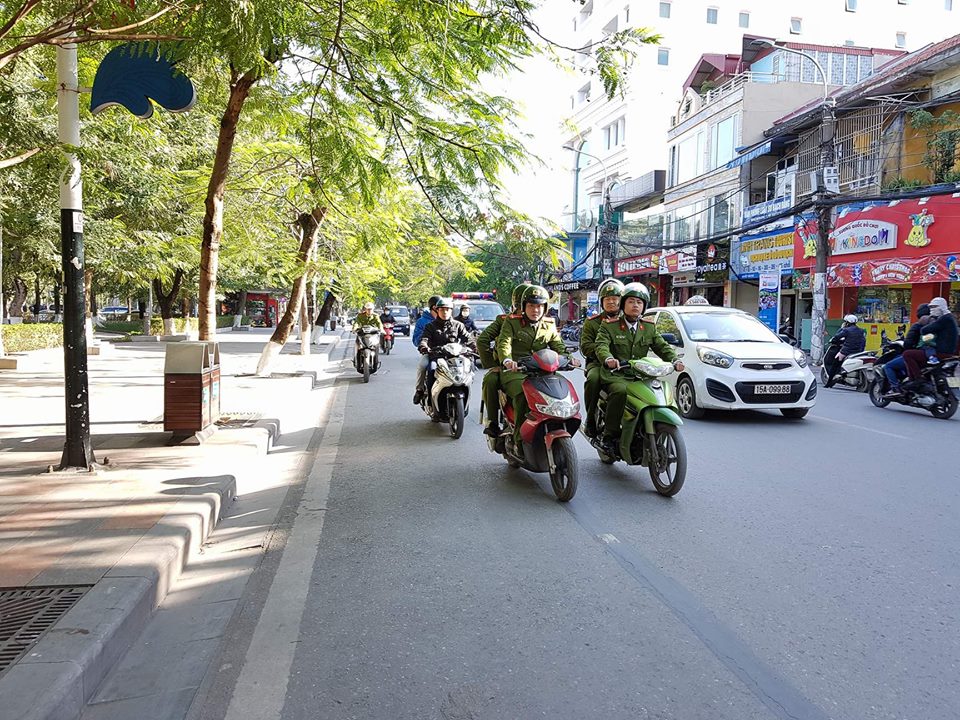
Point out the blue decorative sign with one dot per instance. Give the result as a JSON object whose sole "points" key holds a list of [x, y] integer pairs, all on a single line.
{"points": [[132, 75]]}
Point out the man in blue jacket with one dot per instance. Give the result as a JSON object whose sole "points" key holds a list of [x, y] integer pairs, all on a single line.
{"points": [[422, 322], [853, 340]]}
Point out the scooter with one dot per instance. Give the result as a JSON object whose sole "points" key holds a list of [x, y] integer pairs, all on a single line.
{"points": [[386, 342], [366, 359], [449, 397], [855, 371], [547, 432], [650, 431], [937, 390]]}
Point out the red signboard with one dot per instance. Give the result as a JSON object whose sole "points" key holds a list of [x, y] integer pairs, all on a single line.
{"points": [[925, 269], [638, 265]]}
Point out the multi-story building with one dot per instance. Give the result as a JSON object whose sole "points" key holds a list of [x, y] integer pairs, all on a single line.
{"points": [[618, 144]]}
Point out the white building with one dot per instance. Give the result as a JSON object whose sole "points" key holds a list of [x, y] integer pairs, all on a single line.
{"points": [[626, 138]]}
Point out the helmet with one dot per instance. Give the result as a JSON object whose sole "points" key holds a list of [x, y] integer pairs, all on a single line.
{"points": [[636, 290], [517, 295], [443, 303], [431, 303], [697, 300], [923, 310], [852, 319], [368, 306], [536, 295], [610, 288]]}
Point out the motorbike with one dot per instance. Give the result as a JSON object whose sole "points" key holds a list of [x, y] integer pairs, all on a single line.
{"points": [[650, 431], [448, 399], [570, 334], [547, 432], [855, 371], [937, 390], [386, 342], [366, 359]]}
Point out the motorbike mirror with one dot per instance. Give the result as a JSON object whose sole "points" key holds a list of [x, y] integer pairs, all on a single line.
{"points": [[671, 339]]}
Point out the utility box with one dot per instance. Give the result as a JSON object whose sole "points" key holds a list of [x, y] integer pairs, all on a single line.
{"points": [[187, 379], [214, 350]]}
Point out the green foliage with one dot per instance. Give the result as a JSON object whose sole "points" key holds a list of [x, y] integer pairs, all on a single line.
{"points": [[31, 336], [900, 183], [943, 142]]}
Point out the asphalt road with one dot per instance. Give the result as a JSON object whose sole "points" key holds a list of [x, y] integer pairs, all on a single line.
{"points": [[808, 569]]}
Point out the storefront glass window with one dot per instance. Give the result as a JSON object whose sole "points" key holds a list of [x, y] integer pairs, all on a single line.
{"points": [[883, 305]]}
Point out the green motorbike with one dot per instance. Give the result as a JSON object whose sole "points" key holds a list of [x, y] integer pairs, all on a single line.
{"points": [[650, 434]]}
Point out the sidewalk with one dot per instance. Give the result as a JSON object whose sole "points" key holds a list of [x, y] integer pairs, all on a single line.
{"points": [[93, 555]]}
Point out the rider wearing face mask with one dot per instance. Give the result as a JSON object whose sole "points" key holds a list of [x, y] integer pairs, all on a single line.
{"points": [[444, 329], [944, 330], [853, 340], [896, 368]]}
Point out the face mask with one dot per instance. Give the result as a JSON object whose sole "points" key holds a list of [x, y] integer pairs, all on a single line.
{"points": [[936, 311]]}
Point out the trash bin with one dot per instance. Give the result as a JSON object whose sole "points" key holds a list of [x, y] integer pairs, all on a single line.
{"points": [[214, 350], [186, 387]]}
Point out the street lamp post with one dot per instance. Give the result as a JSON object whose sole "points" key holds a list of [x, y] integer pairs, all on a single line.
{"points": [[607, 229], [824, 212]]}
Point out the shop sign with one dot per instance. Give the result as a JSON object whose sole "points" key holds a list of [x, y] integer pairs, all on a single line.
{"points": [[770, 208], [713, 263], [684, 279], [678, 261], [926, 269], [755, 254], [638, 265], [571, 285], [769, 304], [864, 235]]}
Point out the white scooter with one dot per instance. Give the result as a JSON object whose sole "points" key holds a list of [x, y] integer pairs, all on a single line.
{"points": [[855, 372], [366, 359], [449, 397]]}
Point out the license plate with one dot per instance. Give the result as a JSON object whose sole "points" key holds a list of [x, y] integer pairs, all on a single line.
{"points": [[771, 390], [953, 382]]}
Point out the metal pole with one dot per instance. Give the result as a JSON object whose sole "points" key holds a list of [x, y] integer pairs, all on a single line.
{"points": [[2, 301], [77, 451], [824, 226]]}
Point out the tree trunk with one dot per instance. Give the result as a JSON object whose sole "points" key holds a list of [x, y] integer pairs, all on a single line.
{"points": [[19, 298], [213, 214], [241, 309], [36, 297], [166, 300], [309, 228], [305, 338]]}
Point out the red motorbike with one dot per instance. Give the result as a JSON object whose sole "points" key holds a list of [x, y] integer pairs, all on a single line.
{"points": [[386, 340], [548, 430]]}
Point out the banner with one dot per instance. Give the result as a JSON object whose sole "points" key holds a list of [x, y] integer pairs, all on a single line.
{"points": [[637, 265], [764, 252], [683, 260], [769, 313], [926, 269]]}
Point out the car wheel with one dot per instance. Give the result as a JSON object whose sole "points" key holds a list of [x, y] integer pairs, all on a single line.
{"points": [[687, 400], [794, 413]]}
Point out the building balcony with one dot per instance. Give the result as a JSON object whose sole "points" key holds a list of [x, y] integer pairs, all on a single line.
{"points": [[639, 193]]}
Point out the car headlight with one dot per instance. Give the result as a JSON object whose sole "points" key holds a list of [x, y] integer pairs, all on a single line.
{"points": [[559, 408], [715, 358], [800, 357]]}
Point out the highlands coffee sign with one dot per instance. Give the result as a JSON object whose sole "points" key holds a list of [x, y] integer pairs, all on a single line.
{"points": [[865, 235]]}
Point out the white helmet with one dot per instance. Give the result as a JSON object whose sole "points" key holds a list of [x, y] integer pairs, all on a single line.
{"points": [[852, 319]]}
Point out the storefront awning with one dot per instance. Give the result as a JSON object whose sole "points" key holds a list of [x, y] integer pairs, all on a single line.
{"points": [[753, 153]]}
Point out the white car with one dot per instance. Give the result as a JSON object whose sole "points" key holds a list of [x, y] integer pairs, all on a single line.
{"points": [[733, 362], [483, 312]]}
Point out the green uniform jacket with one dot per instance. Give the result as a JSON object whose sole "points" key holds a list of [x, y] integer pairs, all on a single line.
{"points": [[520, 338], [614, 340], [367, 321], [588, 338], [488, 358]]}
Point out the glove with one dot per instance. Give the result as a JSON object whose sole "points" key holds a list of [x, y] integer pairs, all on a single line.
{"points": [[423, 351]]}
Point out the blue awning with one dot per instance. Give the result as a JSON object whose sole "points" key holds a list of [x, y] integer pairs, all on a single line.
{"points": [[751, 154]]}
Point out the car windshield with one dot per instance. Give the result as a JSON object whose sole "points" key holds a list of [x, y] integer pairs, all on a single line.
{"points": [[484, 312], [399, 311], [725, 327]]}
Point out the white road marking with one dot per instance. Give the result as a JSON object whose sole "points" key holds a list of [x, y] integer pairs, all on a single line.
{"points": [[262, 685], [863, 427], [608, 538]]}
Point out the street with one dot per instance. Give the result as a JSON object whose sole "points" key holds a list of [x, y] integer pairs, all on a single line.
{"points": [[807, 569]]}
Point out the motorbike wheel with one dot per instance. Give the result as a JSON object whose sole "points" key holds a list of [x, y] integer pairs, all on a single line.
{"points": [[456, 418], [366, 369], [671, 468], [824, 376], [876, 394], [564, 478], [947, 410], [386, 348], [863, 382]]}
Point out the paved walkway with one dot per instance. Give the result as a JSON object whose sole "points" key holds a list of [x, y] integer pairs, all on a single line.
{"points": [[150, 510]]}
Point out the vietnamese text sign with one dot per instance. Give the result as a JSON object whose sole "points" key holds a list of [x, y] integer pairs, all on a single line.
{"points": [[637, 265], [864, 235], [755, 254], [769, 299], [678, 261]]}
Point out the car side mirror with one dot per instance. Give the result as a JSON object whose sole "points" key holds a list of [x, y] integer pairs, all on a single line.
{"points": [[672, 339]]}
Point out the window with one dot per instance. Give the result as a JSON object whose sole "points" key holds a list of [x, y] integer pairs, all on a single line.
{"points": [[851, 5], [903, 2], [690, 158], [665, 10], [712, 16], [613, 134], [796, 26], [722, 142], [720, 212], [611, 27], [744, 19], [901, 39], [666, 323], [583, 94], [663, 56]]}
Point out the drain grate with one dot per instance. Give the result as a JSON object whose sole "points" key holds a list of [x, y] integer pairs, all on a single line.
{"points": [[27, 613]]}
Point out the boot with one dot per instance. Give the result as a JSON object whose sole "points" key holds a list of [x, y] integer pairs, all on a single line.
{"points": [[492, 430], [589, 428], [418, 396]]}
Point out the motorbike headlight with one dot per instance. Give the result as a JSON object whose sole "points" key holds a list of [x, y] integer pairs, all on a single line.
{"points": [[800, 357], [715, 358], [559, 408]]}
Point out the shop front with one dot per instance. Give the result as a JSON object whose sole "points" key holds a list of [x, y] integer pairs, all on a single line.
{"points": [[702, 270], [574, 298], [759, 253], [886, 260], [640, 268]]}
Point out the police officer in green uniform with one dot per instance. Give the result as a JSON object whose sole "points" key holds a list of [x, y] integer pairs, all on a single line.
{"points": [[491, 363], [522, 336], [621, 339], [367, 318], [609, 293]]}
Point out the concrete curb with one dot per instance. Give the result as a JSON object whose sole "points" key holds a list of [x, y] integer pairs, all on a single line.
{"points": [[64, 669]]}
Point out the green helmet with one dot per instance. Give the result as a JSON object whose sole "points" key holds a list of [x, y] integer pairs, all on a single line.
{"points": [[536, 295], [610, 288], [637, 290], [443, 303], [517, 295]]}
